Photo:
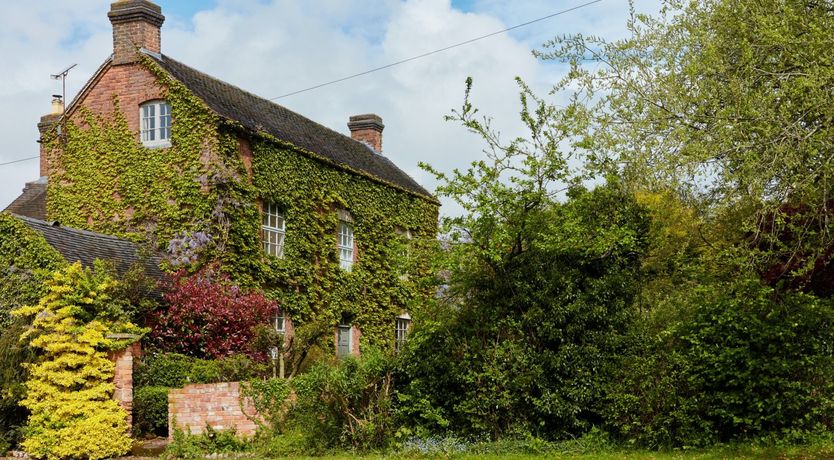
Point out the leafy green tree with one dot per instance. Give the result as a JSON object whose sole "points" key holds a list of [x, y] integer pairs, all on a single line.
{"points": [[725, 101], [541, 279]]}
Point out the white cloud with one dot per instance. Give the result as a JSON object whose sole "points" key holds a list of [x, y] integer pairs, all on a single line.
{"points": [[275, 47]]}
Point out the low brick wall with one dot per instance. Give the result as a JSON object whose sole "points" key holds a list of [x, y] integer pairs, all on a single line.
{"points": [[214, 404]]}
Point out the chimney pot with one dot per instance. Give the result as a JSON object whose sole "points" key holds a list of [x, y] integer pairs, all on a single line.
{"points": [[368, 129], [136, 25], [57, 105]]}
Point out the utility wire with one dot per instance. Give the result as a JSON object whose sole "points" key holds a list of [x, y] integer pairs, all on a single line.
{"points": [[436, 51], [18, 161], [414, 58]]}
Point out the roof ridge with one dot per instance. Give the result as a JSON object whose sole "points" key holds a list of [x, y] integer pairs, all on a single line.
{"points": [[269, 101], [259, 115]]}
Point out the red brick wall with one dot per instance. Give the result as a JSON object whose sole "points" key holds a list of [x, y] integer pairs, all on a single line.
{"points": [[123, 376], [132, 84], [214, 404]]}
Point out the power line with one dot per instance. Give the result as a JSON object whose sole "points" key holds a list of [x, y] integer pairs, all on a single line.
{"points": [[332, 82], [18, 161], [414, 58]]}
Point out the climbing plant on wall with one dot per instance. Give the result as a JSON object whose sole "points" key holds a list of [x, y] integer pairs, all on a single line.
{"points": [[198, 190]]}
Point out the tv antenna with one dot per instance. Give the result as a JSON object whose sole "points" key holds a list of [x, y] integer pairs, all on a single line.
{"points": [[62, 75]]}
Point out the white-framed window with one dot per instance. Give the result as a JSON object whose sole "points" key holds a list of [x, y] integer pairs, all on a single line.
{"points": [[344, 340], [155, 123], [402, 326], [345, 245], [274, 228], [280, 322]]}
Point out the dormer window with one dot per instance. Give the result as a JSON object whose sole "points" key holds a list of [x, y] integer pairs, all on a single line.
{"points": [[155, 123]]}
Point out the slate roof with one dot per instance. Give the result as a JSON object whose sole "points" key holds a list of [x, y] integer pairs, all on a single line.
{"points": [[32, 202], [261, 115], [84, 246]]}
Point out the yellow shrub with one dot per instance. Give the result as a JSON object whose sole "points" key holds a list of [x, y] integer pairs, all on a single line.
{"points": [[70, 388]]}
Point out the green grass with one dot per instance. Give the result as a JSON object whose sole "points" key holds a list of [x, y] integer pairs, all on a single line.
{"points": [[822, 451]]}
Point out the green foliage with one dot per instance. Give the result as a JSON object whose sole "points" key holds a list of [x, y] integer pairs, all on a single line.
{"points": [[211, 441], [347, 403], [150, 410], [26, 260], [69, 389], [746, 362], [175, 371], [719, 100], [269, 398], [530, 346], [307, 280]]}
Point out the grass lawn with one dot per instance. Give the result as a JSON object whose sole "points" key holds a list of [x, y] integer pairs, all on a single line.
{"points": [[824, 451]]}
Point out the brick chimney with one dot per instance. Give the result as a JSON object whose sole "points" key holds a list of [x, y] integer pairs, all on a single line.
{"points": [[136, 24], [46, 124], [368, 129]]}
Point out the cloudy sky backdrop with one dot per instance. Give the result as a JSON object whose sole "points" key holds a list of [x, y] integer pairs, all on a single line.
{"points": [[274, 47]]}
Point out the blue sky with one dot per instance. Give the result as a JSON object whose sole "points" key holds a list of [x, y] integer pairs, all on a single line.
{"points": [[272, 47]]}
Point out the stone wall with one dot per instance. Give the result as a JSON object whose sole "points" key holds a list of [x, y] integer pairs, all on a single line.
{"points": [[217, 405]]}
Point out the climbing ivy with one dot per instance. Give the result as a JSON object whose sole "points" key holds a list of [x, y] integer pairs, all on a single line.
{"points": [[25, 261], [107, 181]]}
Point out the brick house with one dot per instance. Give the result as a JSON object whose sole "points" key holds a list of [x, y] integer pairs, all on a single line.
{"points": [[152, 149]]}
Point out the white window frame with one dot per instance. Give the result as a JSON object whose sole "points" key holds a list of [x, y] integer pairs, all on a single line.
{"points": [[273, 224], [346, 244], [279, 322], [155, 124], [350, 339], [401, 333]]}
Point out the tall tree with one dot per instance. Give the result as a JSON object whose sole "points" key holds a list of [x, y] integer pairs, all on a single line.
{"points": [[726, 101]]}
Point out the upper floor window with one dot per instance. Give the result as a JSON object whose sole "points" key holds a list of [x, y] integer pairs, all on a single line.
{"points": [[155, 122], [274, 228], [345, 245]]}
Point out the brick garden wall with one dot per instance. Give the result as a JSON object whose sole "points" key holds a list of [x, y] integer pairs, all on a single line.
{"points": [[123, 376], [215, 404]]}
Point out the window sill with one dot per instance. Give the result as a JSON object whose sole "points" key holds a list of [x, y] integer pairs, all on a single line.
{"points": [[156, 144]]}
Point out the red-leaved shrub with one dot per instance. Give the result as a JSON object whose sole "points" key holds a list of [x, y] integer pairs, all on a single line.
{"points": [[207, 316]]}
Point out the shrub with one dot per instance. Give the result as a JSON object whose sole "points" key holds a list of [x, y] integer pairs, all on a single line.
{"points": [[745, 362], [69, 390], [347, 403], [174, 370], [211, 441], [150, 410], [209, 317]]}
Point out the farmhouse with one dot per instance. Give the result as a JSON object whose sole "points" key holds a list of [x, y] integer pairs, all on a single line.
{"points": [[154, 151]]}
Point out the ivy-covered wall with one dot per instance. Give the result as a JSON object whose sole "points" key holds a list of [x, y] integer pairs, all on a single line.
{"points": [[104, 180]]}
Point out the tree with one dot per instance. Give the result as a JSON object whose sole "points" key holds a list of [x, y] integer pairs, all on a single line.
{"points": [[726, 101], [541, 277]]}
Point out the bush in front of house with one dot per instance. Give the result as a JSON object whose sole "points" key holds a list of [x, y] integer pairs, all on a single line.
{"points": [[207, 316], [69, 390], [150, 411]]}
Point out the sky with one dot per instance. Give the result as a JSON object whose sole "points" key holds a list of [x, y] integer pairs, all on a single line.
{"points": [[274, 47]]}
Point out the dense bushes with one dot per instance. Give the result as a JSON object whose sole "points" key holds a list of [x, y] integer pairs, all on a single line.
{"points": [[209, 317], [534, 339], [745, 361], [150, 411], [175, 370]]}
